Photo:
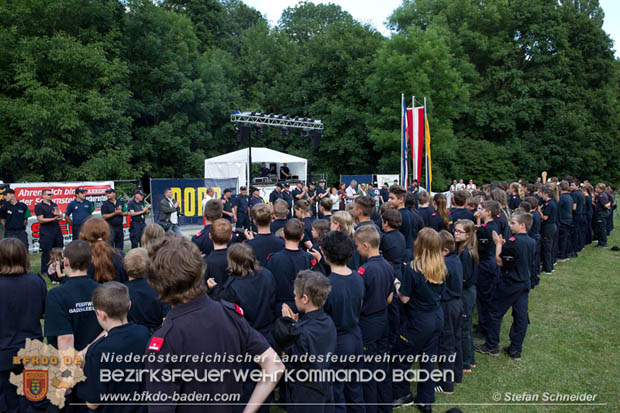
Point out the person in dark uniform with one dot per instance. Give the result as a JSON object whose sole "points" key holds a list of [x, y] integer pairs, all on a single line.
{"points": [[178, 277], [602, 209], [425, 209], [578, 215], [416, 220], [420, 292], [217, 263], [280, 211], [458, 210], [566, 207], [384, 193], [393, 249], [378, 276], [312, 197], [309, 332], [488, 270], [111, 302], [213, 212], [397, 200], [78, 211], [300, 192], [534, 233], [264, 243], [137, 211], [513, 197], [450, 341], [467, 247], [49, 216], [548, 229], [70, 320], [227, 206], [275, 194], [321, 192], [285, 173], [288, 197], [22, 306], [113, 211], [285, 265], [263, 171], [514, 257], [588, 214], [344, 305], [241, 209], [256, 198], [14, 217], [146, 308]]}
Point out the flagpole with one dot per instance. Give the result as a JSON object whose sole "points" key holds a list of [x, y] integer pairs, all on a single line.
{"points": [[428, 182], [402, 127], [413, 160]]}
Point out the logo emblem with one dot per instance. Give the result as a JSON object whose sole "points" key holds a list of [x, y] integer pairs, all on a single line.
{"points": [[35, 384], [156, 343]]}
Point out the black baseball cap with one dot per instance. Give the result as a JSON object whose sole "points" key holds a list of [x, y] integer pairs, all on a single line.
{"points": [[227, 190], [138, 191], [252, 189], [279, 185], [243, 188], [109, 190], [9, 191], [80, 190], [322, 181]]}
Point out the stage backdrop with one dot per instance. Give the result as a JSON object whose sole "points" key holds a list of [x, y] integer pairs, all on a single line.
{"points": [[190, 192], [360, 179]]}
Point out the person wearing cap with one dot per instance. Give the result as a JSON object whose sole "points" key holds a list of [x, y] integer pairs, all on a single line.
{"points": [[300, 191], [227, 206], [321, 192], [241, 213], [78, 211], [14, 217], [312, 198], [288, 197], [50, 236], [264, 171], [138, 209], [275, 194], [113, 211]]}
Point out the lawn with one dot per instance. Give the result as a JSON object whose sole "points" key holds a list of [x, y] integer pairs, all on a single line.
{"points": [[572, 345]]}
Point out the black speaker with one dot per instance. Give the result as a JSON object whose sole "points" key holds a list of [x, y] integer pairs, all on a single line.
{"points": [[315, 136], [243, 133]]}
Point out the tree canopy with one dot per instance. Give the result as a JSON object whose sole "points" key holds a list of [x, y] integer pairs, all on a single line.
{"points": [[142, 88]]}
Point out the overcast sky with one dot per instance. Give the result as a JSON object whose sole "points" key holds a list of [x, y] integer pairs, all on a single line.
{"points": [[376, 12]]}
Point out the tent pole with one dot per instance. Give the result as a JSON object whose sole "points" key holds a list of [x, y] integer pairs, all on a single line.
{"points": [[249, 175]]}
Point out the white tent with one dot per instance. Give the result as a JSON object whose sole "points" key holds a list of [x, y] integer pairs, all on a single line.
{"points": [[235, 164]]}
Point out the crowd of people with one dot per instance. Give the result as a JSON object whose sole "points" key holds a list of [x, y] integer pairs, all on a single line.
{"points": [[388, 279]]}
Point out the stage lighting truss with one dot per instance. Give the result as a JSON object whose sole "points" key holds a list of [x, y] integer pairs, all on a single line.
{"points": [[281, 121]]}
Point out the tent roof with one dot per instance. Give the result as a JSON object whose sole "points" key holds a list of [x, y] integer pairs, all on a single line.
{"points": [[258, 155]]}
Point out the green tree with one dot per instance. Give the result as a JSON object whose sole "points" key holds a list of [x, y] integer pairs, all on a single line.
{"points": [[63, 92]]}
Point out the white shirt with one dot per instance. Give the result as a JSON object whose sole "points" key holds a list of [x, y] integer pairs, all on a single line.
{"points": [[205, 200], [350, 193], [174, 217], [460, 187], [335, 202]]}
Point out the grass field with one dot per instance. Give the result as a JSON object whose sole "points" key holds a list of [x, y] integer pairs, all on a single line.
{"points": [[572, 344]]}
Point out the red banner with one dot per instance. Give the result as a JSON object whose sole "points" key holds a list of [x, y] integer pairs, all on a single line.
{"points": [[30, 193]]}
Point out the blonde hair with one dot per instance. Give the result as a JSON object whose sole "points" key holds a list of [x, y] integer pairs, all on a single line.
{"points": [[345, 221], [428, 259]]}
